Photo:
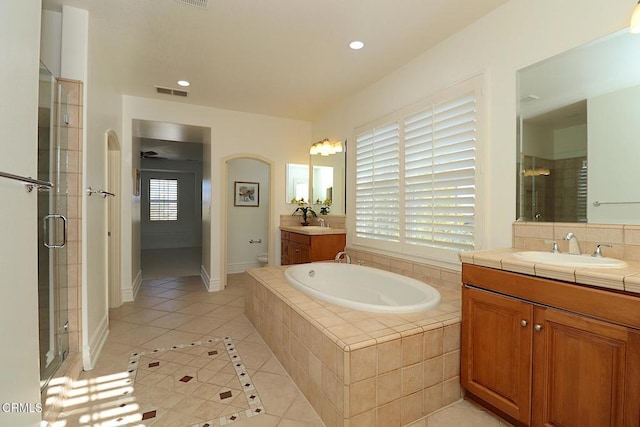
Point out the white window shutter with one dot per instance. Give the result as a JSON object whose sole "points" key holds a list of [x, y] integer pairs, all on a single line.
{"points": [[378, 184], [439, 182], [163, 199]]}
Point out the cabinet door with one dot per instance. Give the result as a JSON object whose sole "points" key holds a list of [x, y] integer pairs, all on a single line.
{"points": [[496, 351], [585, 372], [298, 253]]}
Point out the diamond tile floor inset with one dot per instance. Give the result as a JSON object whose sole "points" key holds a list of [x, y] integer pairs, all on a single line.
{"points": [[209, 370]]}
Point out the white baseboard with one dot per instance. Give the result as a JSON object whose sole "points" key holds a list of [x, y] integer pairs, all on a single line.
{"points": [[91, 351], [241, 267], [212, 285], [128, 295]]}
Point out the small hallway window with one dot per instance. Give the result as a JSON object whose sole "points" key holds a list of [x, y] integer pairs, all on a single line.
{"points": [[163, 199]]}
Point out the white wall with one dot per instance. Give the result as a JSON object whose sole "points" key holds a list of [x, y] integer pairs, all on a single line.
{"points": [[50, 40], [83, 58], [516, 35], [570, 142], [19, 54], [233, 134], [247, 223], [538, 140], [613, 147]]}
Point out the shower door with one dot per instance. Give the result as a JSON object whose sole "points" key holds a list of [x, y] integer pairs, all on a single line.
{"points": [[52, 225]]}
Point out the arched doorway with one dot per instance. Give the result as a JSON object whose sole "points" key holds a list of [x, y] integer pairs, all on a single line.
{"points": [[246, 225]]}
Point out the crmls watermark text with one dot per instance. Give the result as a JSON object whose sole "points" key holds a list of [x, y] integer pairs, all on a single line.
{"points": [[20, 407]]}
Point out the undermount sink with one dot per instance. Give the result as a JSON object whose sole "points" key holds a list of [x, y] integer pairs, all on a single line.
{"points": [[569, 260]]}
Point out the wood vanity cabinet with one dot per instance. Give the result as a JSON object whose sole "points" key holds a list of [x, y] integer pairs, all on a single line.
{"points": [[298, 248], [549, 353]]}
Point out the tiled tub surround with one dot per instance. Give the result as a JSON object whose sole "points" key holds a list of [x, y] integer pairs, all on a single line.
{"points": [[534, 236], [358, 368]]}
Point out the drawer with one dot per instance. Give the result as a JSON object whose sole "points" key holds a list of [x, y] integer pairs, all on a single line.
{"points": [[284, 235], [300, 238]]}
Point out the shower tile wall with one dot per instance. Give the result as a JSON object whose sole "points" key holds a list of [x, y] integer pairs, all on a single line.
{"points": [[560, 196], [73, 153]]}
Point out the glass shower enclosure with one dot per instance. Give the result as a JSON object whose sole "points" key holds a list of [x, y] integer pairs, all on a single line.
{"points": [[52, 225]]}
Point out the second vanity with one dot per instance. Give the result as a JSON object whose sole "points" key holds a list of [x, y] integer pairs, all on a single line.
{"points": [[302, 244], [550, 351]]}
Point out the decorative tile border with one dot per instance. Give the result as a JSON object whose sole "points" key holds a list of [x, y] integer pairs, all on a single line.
{"points": [[246, 384]]}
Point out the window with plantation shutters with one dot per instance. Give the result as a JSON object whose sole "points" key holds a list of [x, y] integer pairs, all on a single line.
{"points": [[416, 184], [163, 199], [378, 183], [439, 170]]}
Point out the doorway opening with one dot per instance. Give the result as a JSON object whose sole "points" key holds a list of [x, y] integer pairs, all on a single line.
{"points": [[171, 158], [248, 214]]}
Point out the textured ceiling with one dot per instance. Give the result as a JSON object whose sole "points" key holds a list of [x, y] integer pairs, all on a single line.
{"points": [[285, 58]]}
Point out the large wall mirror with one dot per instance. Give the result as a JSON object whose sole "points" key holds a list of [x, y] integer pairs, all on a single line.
{"points": [[579, 134]]}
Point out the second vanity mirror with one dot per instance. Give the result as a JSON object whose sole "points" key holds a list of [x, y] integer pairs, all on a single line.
{"points": [[578, 130], [328, 176]]}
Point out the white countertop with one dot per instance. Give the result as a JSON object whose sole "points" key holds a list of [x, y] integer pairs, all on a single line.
{"points": [[312, 230], [621, 279]]}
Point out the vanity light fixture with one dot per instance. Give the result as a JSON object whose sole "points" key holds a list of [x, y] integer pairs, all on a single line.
{"points": [[183, 83], [634, 27], [356, 45], [326, 147], [536, 172]]}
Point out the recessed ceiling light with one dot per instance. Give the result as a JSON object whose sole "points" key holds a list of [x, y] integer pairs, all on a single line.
{"points": [[356, 45], [183, 83]]}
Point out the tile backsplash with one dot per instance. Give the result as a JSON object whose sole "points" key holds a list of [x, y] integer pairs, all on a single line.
{"points": [[624, 239]]}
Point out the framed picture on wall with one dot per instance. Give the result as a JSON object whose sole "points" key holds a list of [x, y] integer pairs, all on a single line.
{"points": [[246, 194]]}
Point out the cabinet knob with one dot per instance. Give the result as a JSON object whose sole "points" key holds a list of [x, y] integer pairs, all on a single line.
{"points": [[524, 323], [538, 327], [297, 250]]}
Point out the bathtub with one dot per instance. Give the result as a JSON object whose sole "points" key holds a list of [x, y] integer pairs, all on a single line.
{"points": [[362, 288]]}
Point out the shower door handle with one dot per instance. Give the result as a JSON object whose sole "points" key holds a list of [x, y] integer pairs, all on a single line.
{"points": [[45, 222]]}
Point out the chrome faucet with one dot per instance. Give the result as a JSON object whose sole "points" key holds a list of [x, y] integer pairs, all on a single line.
{"points": [[598, 252], [574, 246], [342, 254], [321, 221]]}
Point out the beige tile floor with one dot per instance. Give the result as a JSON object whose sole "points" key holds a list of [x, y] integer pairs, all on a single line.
{"points": [[149, 389]]}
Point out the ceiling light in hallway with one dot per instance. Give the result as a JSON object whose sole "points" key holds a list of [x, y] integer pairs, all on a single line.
{"points": [[183, 83], [356, 45]]}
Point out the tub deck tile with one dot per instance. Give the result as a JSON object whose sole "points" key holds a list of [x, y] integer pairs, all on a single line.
{"points": [[345, 332]]}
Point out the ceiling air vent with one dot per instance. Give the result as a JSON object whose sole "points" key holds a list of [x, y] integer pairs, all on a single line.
{"points": [[170, 91], [203, 4]]}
